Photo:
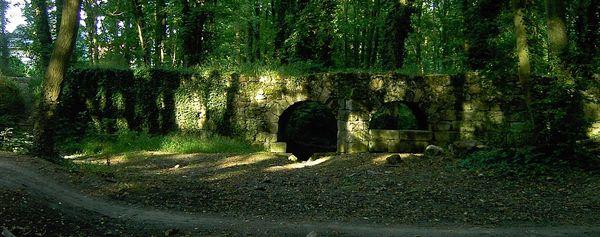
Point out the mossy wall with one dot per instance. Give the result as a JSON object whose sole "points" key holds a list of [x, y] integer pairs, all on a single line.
{"points": [[160, 100]]}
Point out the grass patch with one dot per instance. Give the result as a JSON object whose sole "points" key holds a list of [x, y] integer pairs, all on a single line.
{"points": [[186, 143], [128, 142]]}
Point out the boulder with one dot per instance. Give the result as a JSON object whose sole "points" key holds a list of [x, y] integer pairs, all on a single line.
{"points": [[433, 151], [393, 160]]}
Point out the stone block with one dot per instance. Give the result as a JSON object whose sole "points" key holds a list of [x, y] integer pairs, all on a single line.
{"points": [[383, 134], [496, 117], [358, 137], [407, 146], [449, 115], [342, 146], [415, 135], [378, 146], [342, 126], [445, 137], [278, 147], [358, 147], [443, 126]]}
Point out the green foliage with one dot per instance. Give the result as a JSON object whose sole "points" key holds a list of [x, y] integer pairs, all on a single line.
{"points": [[395, 116], [12, 104], [556, 101], [127, 142], [522, 161], [190, 143], [15, 140], [17, 67]]}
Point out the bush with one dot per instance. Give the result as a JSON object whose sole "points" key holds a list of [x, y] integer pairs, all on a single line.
{"points": [[523, 161], [12, 104], [395, 116]]}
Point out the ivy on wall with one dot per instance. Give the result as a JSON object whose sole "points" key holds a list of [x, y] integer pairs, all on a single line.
{"points": [[153, 100]]}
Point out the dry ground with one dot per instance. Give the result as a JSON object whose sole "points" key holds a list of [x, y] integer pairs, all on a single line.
{"points": [[265, 189]]}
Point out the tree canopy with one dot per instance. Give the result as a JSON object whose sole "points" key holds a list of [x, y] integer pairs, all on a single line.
{"points": [[418, 36]]}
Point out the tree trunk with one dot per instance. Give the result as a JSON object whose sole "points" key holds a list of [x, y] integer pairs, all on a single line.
{"points": [[90, 24], [522, 48], [46, 118], [524, 69], [44, 37], [161, 31], [557, 28], [4, 51], [138, 15]]}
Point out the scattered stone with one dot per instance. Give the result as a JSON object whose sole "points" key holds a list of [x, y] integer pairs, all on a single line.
{"points": [[312, 234], [394, 160], [292, 158], [266, 180], [176, 166], [278, 147], [433, 151]]}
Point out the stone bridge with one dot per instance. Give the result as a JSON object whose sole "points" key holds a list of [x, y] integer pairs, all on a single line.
{"points": [[447, 108]]}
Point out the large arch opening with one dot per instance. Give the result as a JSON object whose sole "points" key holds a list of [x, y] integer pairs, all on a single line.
{"points": [[308, 127], [398, 115], [398, 127]]}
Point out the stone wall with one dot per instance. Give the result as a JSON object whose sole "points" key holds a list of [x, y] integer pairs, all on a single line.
{"points": [[449, 107], [455, 107]]}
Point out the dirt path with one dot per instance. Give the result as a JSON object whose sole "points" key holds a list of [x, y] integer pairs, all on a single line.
{"points": [[32, 176]]}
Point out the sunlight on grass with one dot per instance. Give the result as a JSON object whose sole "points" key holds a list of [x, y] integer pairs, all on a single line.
{"points": [[133, 143], [216, 144]]}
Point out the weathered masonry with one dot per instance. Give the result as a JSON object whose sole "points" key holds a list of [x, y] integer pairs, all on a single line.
{"points": [[447, 108]]}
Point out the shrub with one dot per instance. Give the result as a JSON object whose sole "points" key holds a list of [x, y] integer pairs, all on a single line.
{"points": [[12, 104]]}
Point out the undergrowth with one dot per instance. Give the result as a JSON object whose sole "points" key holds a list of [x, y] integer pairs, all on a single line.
{"points": [[125, 142]]}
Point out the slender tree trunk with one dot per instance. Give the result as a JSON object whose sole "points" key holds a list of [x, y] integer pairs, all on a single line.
{"points": [[522, 48], [4, 51], [90, 23], [345, 37], [140, 25], [44, 37], [46, 118], [524, 68], [557, 29], [161, 31]]}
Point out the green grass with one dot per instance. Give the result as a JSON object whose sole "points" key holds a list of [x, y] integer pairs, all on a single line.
{"points": [[127, 142]]}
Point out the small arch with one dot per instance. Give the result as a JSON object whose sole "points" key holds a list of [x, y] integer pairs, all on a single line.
{"points": [[399, 115], [308, 127]]}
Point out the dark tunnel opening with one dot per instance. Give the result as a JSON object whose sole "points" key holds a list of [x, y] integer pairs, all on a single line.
{"points": [[308, 127]]}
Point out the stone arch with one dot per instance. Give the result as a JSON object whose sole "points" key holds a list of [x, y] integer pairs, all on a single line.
{"points": [[420, 117], [308, 127], [396, 139]]}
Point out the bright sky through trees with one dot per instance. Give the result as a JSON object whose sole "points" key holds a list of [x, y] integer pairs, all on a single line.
{"points": [[14, 14]]}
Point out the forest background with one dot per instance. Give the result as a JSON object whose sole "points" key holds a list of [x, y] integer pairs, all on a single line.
{"points": [[501, 40]]}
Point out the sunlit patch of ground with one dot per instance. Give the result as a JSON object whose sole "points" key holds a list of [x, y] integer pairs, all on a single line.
{"points": [[348, 187]]}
